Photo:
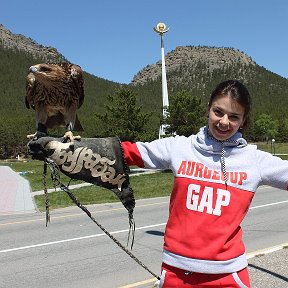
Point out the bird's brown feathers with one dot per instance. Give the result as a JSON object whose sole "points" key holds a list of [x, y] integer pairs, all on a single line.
{"points": [[55, 92]]}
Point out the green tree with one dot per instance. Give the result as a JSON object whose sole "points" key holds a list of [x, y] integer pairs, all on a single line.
{"points": [[283, 130], [265, 127], [186, 114], [123, 117]]}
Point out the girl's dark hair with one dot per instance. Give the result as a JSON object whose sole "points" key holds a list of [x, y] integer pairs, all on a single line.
{"points": [[237, 91]]}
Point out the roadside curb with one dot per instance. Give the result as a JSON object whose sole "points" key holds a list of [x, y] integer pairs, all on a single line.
{"points": [[266, 251]]}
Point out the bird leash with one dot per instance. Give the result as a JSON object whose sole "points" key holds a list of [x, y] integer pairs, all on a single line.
{"points": [[99, 161], [55, 175]]}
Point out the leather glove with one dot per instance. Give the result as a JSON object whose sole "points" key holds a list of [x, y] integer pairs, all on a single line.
{"points": [[99, 161]]}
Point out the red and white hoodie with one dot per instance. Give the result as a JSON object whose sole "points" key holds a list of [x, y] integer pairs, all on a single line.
{"points": [[203, 232]]}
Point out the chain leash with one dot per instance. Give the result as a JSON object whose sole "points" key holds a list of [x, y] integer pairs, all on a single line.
{"points": [[46, 194], [55, 175]]}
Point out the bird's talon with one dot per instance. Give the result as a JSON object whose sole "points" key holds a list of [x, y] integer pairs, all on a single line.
{"points": [[36, 136], [31, 136], [69, 136]]}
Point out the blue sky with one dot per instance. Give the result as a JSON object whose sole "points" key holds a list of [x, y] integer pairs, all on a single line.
{"points": [[114, 39]]}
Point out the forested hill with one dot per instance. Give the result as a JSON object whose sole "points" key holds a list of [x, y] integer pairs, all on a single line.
{"points": [[200, 69], [196, 69]]}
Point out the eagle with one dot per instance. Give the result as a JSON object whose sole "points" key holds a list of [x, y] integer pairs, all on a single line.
{"points": [[55, 91]]}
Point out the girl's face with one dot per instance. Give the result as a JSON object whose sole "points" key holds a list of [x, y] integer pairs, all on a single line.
{"points": [[226, 116]]}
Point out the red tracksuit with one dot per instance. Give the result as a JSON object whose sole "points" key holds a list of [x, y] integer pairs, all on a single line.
{"points": [[203, 244]]}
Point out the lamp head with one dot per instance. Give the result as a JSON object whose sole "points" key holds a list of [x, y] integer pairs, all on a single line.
{"points": [[161, 28]]}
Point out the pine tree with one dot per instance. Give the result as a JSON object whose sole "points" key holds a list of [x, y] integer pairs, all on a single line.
{"points": [[186, 114], [123, 117]]}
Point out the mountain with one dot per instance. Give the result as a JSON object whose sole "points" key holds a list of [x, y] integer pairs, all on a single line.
{"points": [[196, 69], [18, 42], [200, 69], [190, 58]]}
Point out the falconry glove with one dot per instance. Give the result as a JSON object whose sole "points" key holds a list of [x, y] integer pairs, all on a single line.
{"points": [[99, 161]]}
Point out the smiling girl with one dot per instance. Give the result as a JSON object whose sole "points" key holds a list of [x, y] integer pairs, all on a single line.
{"points": [[213, 189]]}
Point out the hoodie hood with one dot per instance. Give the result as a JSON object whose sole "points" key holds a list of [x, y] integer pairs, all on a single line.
{"points": [[211, 145]]}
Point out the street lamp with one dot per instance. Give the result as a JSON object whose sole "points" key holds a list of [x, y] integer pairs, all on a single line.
{"points": [[273, 146], [161, 29]]}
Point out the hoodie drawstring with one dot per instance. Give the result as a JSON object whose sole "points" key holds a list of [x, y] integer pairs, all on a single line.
{"points": [[223, 165], [236, 141]]}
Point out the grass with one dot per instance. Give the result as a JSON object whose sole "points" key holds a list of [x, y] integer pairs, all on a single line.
{"points": [[279, 148], [144, 186]]}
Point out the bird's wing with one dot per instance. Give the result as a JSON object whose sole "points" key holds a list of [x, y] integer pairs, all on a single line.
{"points": [[30, 87], [77, 76]]}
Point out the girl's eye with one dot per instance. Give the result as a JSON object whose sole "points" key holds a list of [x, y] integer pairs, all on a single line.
{"points": [[234, 117], [218, 113]]}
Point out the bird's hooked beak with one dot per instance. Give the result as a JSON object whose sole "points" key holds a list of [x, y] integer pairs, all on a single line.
{"points": [[33, 69]]}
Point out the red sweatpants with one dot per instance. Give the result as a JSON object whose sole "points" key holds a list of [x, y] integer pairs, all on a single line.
{"points": [[172, 277]]}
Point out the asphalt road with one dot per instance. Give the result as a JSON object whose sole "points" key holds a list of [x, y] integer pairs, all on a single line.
{"points": [[73, 252]]}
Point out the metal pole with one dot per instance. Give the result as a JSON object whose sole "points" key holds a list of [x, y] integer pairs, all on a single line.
{"points": [[161, 29], [164, 79]]}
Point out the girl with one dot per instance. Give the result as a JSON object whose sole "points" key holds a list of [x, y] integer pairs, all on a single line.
{"points": [[215, 177]]}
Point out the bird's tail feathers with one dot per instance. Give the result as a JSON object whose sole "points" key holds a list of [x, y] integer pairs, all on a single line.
{"points": [[77, 126]]}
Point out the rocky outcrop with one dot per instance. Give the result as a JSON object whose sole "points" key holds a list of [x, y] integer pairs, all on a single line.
{"points": [[191, 56], [21, 43]]}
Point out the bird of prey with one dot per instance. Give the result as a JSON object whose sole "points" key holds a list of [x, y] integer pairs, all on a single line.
{"points": [[55, 91]]}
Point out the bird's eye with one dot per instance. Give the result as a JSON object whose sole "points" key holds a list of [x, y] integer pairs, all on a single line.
{"points": [[44, 69]]}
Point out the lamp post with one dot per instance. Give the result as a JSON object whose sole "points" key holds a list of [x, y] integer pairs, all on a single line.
{"points": [[273, 146], [161, 29]]}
